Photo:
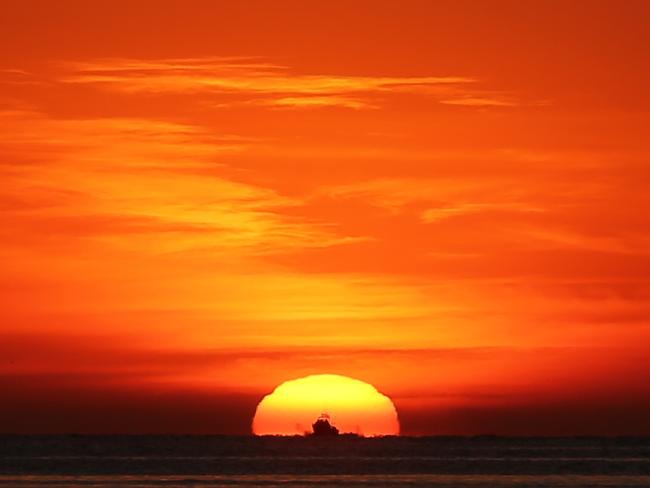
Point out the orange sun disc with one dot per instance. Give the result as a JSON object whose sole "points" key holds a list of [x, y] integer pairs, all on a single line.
{"points": [[352, 405]]}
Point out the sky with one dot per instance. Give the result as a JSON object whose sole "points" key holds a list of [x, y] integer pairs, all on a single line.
{"points": [[449, 200]]}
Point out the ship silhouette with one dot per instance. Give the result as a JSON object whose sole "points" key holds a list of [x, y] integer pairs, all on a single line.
{"points": [[323, 428]]}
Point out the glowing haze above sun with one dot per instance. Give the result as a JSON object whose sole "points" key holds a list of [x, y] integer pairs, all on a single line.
{"points": [[353, 406]]}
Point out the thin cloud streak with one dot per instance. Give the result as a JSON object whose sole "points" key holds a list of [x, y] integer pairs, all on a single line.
{"points": [[451, 197], [479, 102], [440, 213], [269, 84], [318, 101]]}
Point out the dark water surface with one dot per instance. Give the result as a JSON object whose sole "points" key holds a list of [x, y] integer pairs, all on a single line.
{"points": [[147, 461]]}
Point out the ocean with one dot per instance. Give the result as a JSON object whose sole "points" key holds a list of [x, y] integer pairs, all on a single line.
{"points": [[246, 461]]}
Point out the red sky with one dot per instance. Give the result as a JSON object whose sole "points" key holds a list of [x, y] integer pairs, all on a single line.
{"points": [[202, 199]]}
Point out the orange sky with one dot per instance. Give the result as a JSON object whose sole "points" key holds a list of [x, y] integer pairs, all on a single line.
{"points": [[202, 199]]}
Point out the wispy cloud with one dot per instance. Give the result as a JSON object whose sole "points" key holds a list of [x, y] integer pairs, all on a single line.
{"points": [[527, 218], [480, 102], [431, 215], [115, 142], [395, 193], [556, 237], [442, 198], [274, 85], [130, 176], [216, 74], [318, 101], [17, 77]]}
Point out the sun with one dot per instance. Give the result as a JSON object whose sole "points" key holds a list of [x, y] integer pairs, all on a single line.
{"points": [[352, 405]]}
